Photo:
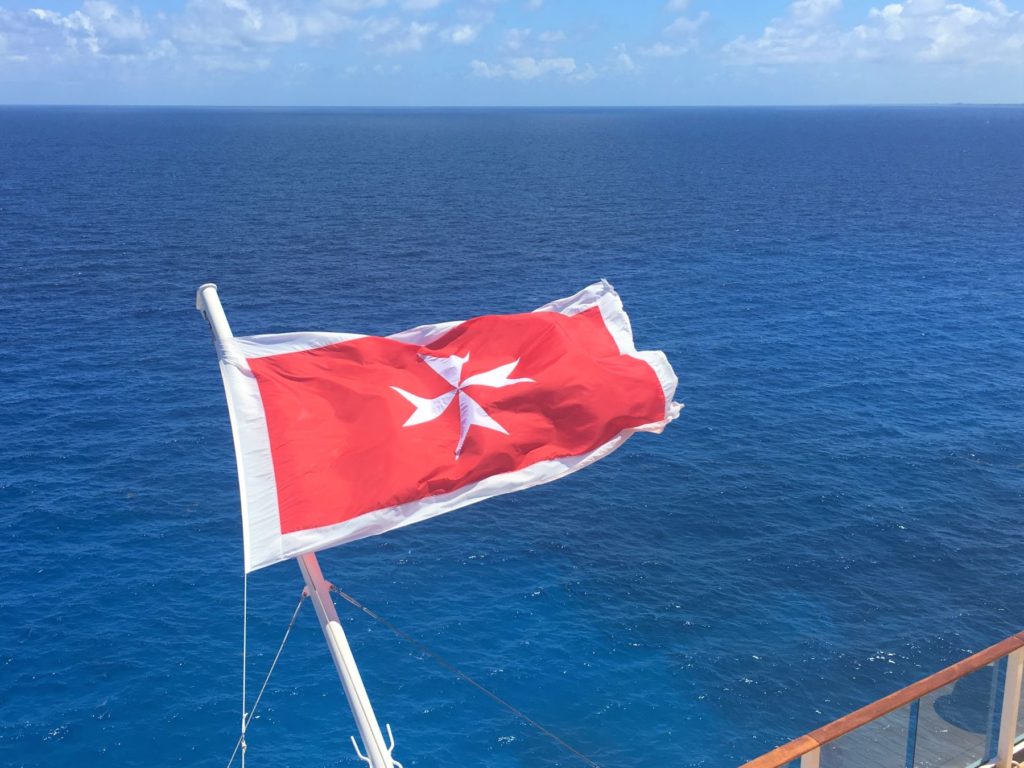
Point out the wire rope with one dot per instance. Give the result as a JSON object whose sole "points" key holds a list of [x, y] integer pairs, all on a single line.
{"points": [[247, 718], [459, 673]]}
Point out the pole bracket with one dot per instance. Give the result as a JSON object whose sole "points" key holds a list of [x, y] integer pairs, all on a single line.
{"points": [[391, 748]]}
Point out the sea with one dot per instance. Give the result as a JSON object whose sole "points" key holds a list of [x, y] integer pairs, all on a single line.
{"points": [[836, 513]]}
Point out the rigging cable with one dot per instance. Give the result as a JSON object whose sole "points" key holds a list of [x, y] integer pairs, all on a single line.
{"points": [[459, 673], [247, 717], [245, 638]]}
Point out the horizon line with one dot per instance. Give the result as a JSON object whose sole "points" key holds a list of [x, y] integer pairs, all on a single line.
{"points": [[833, 105]]}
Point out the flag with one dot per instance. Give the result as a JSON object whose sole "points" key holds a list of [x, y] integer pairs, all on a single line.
{"points": [[342, 436]]}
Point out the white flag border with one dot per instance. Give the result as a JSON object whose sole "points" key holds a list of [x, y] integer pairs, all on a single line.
{"points": [[263, 542]]}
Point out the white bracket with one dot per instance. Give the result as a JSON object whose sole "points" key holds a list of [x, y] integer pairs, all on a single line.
{"points": [[391, 748]]}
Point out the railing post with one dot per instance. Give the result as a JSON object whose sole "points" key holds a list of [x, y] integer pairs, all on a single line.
{"points": [[811, 759], [915, 717], [1011, 706]]}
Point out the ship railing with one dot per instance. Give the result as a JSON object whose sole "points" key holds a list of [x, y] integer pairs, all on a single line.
{"points": [[968, 715]]}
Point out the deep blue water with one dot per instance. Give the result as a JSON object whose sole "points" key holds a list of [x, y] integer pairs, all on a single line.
{"points": [[836, 513]]}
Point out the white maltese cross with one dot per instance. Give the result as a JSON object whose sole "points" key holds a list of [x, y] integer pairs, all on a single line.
{"points": [[470, 411]]}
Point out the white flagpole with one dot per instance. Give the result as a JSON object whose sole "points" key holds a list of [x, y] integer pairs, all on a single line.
{"points": [[378, 754]]}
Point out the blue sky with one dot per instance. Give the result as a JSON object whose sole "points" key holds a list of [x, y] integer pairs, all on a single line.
{"points": [[511, 52]]}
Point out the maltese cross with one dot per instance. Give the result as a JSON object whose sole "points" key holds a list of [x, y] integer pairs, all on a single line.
{"points": [[471, 413]]}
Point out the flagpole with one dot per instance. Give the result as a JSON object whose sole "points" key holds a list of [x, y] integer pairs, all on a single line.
{"points": [[378, 754]]}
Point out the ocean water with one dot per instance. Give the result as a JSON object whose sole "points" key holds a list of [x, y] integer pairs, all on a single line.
{"points": [[836, 513]]}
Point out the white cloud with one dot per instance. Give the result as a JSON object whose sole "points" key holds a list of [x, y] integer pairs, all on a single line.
{"points": [[541, 45], [391, 36], [352, 6], [583, 74], [217, 35], [322, 23], [235, 24], [98, 29], [529, 68], [663, 50], [461, 34], [624, 62], [686, 27], [954, 33], [914, 30], [411, 39], [551, 36], [375, 28], [204, 31], [483, 69], [420, 5], [811, 13], [682, 31], [107, 20], [621, 60], [230, 62], [112, 36], [533, 5], [514, 39]]}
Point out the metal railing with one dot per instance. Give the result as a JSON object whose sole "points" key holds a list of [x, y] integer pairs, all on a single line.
{"points": [[966, 715]]}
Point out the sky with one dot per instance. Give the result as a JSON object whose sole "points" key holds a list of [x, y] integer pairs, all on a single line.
{"points": [[511, 52]]}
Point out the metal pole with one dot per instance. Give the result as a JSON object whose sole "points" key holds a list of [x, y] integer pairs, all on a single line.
{"points": [[378, 754]]}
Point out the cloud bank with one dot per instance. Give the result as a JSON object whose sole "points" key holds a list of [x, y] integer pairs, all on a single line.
{"points": [[916, 30], [471, 41]]}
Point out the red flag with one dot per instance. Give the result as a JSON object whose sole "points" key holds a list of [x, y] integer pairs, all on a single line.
{"points": [[341, 436]]}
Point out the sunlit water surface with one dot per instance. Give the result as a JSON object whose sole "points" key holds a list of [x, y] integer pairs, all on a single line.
{"points": [[836, 513]]}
